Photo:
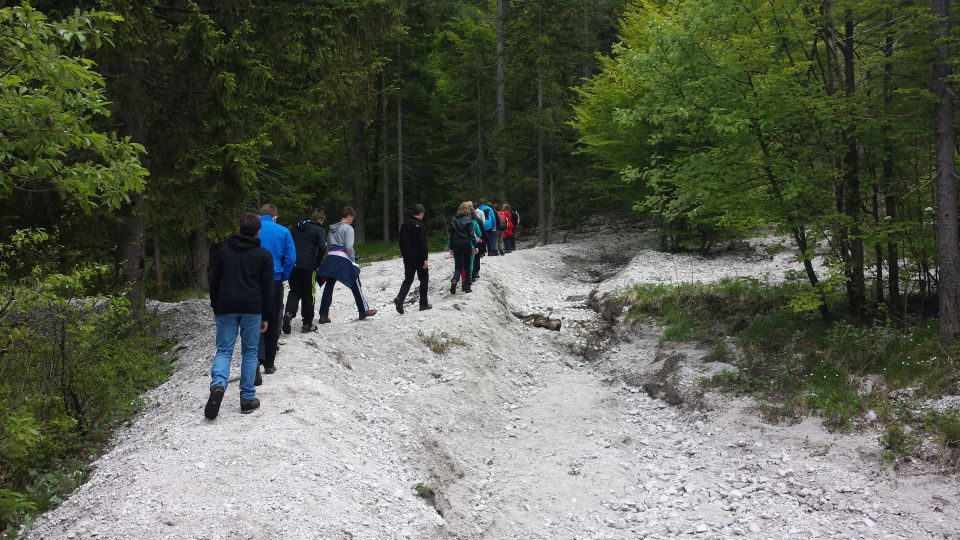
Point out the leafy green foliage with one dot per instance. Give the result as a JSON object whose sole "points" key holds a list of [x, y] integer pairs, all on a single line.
{"points": [[73, 364], [50, 102]]}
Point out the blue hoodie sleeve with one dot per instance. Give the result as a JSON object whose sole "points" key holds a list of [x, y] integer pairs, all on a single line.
{"points": [[289, 255]]}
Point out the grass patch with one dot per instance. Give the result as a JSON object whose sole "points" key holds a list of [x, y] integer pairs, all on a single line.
{"points": [[796, 364], [440, 342]]}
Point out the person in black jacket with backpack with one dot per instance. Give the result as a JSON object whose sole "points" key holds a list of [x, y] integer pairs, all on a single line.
{"points": [[241, 295], [413, 248], [310, 241]]}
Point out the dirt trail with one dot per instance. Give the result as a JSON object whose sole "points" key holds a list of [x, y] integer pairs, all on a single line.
{"points": [[516, 434]]}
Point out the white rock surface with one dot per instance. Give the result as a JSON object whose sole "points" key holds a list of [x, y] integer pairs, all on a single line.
{"points": [[517, 436]]}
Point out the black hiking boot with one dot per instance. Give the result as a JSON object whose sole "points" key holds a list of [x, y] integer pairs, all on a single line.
{"points": [[259, 378], [213, 403], [308, 328], [399, 303], [247, 406], [467, 289], [424, 307], [324, 319], [453, 287], [270, 370], [286, 323]]}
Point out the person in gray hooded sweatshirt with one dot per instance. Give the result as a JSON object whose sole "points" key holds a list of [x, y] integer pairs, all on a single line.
{"points": [[340, 265]]}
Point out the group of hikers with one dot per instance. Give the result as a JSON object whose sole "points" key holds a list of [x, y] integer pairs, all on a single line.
{"points": [[248, 272]]}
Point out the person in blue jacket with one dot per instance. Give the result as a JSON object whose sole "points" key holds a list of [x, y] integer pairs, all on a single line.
{"points": [[279, 242], [489, 227]]}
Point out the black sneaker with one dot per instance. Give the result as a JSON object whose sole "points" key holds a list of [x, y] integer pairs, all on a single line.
{"points": [[424, 307], [270, 370], [399, 303], [307, 328], [213, 403], [467, 290], [286, 323], [475, 278], [453, 287], [324, 319], [247, 406], [259, 378]]}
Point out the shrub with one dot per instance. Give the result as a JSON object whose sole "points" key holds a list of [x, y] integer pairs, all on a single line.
{"points": [[73, 364]]}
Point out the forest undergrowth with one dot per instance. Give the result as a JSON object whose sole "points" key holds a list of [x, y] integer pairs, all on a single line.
{"points": [[851, 373]]}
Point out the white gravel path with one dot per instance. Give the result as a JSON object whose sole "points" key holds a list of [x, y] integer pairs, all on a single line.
{"points": [[516, 435]]}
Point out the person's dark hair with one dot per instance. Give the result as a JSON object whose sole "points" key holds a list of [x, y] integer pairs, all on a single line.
{"points": [[249, 224], [318, 215], [481, 201], [269, 210], [418, 209], [347, 212]]}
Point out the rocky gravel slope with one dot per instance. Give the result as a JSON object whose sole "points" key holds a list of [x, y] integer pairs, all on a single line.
{"points": [[519, 433]]}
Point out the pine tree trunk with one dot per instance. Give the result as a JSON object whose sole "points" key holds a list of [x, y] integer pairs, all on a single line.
{"points": [[541, 195], [157, 260], [856, 287], [501, 100], [587, 41], [201, 254], [399, 158], [890, 200], [552, 211], [359, 165], [383, 157], [947, 235], [480, 159], [133, 256]]}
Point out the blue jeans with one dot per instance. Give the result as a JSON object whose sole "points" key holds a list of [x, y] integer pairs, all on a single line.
{"points": [[228, 326]]}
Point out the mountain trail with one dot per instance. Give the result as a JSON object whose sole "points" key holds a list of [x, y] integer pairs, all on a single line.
{"points": [[514, 433]]}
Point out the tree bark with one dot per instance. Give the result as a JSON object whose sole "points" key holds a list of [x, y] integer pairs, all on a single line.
{"points": [[399, 158], [856, 287], [890, 199], [480, 159], [359, 165], [383, 156], [947, 234], [201, 254], [541, 195], [552, 210], [587, 41], [501, 101], [133, 256], [157, 260]]}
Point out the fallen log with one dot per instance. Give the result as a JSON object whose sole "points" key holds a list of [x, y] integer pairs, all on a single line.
{"points": [[539, 320]]}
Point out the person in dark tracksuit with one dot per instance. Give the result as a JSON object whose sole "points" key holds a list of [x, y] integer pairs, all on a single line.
{"points": [[241, 295], [463, 244], [279, 242], [310, 242], [413, 248]]}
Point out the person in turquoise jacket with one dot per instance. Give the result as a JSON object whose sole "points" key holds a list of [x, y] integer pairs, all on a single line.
{"points": [[279, 242], [489, 227]]}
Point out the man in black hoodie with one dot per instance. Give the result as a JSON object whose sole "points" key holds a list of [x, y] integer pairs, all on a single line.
{"points": [[310, 241], [241, 293], [413, 247]]}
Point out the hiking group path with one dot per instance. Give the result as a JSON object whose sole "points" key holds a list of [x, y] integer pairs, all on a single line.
{"points": [[518, 433]]}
